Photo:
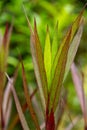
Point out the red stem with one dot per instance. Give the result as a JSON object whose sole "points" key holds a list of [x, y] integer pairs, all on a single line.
{"points": [[50, 122]]}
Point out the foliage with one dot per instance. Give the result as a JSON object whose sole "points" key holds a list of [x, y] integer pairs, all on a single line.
{"points": [[51, 65]]}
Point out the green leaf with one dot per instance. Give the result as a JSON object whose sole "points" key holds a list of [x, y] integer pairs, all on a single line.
{"points": [[60, 63], [28, 99], [73, 48], [59, 74], [55, 43], [47, 58], [4, 47], [74, 27], [39, 68], [2, 60], [38, 62]]}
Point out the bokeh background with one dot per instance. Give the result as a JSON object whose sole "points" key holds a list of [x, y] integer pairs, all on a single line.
{"points": [[46, 12]]}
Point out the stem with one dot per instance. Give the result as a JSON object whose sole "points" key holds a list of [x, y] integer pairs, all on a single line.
{"points": [[50, 122]]}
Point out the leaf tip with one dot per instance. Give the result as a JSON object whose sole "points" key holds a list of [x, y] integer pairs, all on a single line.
{"points": [[29, 25]]}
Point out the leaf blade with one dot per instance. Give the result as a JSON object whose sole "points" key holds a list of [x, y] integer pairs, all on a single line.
{"points": [[28, 99], [18, 106], [57, 83], [39, 68], [79, 90], [55, 44], [74, 27], [59, 74], [73, 48], [16, 118], [47, 58]]}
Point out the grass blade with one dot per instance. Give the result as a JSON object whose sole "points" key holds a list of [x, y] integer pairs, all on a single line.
{"points": [[28, 100]]}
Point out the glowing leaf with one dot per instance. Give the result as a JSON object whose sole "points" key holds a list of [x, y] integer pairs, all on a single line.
{"points": [[47, 57]]}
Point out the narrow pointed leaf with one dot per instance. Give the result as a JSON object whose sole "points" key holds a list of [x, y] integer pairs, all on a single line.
{"points": [[74, 27], [6, 41], [38, 62], [4, 47], [6, 98], [60, 62], [73, 48], [59, 75], [18, 106], [47, 58], [2, 69], [8, 113], [29, 25], [19, 109], [79, 90], [7, 104], [55, 43], [3, 60], [16, 117], [77, 22], [7, 36], [28, 99], [39, 65]]}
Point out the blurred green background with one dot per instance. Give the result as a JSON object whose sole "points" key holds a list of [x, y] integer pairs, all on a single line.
{"points": [[46, 12]]}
